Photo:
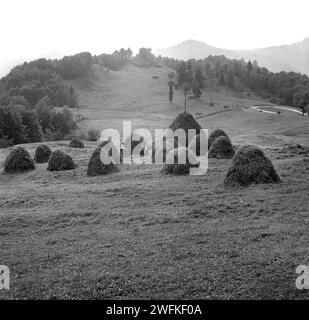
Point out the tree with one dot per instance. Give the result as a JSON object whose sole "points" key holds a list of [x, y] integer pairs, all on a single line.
{"points": [[32, 127], [230, 79], [221, 79], [249, 66]]}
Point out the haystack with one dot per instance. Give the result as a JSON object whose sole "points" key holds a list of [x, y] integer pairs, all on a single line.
{"points": [[178, 167], [185, 121], [250, 165], [60, 161], [113, 153], [134, 143], [162, 148], [42, 153], [214, 135], [97, 167], [76, 143], [221, 148], [195, 146], [18, 160]]}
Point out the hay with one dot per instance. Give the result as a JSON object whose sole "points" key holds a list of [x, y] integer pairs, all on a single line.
{"points": [[18, 160], [76, 143], [185, 121], [295, 149], [97, 167], [113, 154], [250, 165], [42, 153], [180, 168], [195, 146], [60, 161], [161, 148], [221, 148], [214, 135]]}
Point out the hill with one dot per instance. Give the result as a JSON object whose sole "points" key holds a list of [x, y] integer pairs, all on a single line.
{"points": [[139, 234], [292, 57]]}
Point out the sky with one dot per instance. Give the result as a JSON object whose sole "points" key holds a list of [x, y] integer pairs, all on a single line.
{"points": [[53, 28]]}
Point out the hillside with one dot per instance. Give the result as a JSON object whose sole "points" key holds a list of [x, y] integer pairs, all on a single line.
{"points": [[292, 57], [140, 234]]}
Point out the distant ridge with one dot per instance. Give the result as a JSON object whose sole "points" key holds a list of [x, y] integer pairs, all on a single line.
{"points": [[294, 57]]}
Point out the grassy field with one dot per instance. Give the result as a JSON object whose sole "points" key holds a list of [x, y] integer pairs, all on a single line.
{"points": [[141, 234]]}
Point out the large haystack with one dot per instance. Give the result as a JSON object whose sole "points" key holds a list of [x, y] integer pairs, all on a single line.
{"points": [[42, 153], [221, 148], [60, 161], [76, 143], [97, 167], [178, 167], [214, 135], [18, 160], [185, 121], [161, 148], [195, 145], [250, 165]]}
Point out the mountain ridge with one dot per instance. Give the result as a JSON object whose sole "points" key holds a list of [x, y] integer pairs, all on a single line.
{"points": [[276, 58]]}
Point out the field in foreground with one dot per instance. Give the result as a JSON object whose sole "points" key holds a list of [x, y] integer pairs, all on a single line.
{"points": [[139, 234]]}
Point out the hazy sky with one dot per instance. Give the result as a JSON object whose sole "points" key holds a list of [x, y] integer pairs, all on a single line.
{"points": [[52, 28]]}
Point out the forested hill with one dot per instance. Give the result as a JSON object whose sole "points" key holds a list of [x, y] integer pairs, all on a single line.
{"points": [[31, 92]]}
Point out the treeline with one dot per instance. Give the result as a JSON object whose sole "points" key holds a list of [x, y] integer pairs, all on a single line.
{"points": [[288, 88], [115, 61], [29, 95]]}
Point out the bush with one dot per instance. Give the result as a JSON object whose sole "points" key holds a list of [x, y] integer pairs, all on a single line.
{"points": [[214, 135], [250, 165], [60, 161], [42, 153], [18, 160], [221, 148], [76, 143], [97, 167]]}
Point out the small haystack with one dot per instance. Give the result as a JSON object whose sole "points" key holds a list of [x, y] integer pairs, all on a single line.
{"points": [[295, 149], [221, 148], [60, 161], [76, 143], [42, 153], [180, 168], [18, 160], [250, 165], [214, 135], [114, 154], [97, 167]]}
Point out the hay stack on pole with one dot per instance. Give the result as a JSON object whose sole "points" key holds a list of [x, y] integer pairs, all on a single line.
{"points": [[18, 160], [250, 165], [76, 143], [60, 161], [221, 148], [182, 160], [97, 167], [42, 153], [185, 121]]}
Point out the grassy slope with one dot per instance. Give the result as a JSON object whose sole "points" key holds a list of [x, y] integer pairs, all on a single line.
{"points": [[138, 234]]}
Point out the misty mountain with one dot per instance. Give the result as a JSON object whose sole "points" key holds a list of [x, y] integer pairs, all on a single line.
{"points": [[294, 57]]}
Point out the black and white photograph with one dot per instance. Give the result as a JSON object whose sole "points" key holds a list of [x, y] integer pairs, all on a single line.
{"points": [[154, 150]]}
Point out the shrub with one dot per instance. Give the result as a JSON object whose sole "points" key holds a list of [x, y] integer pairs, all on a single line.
{"points": [[18, 160], [76, 143], [221, 148], [93, 135], [60, 161], [250, 165], [42, 153], [97, 167]]}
